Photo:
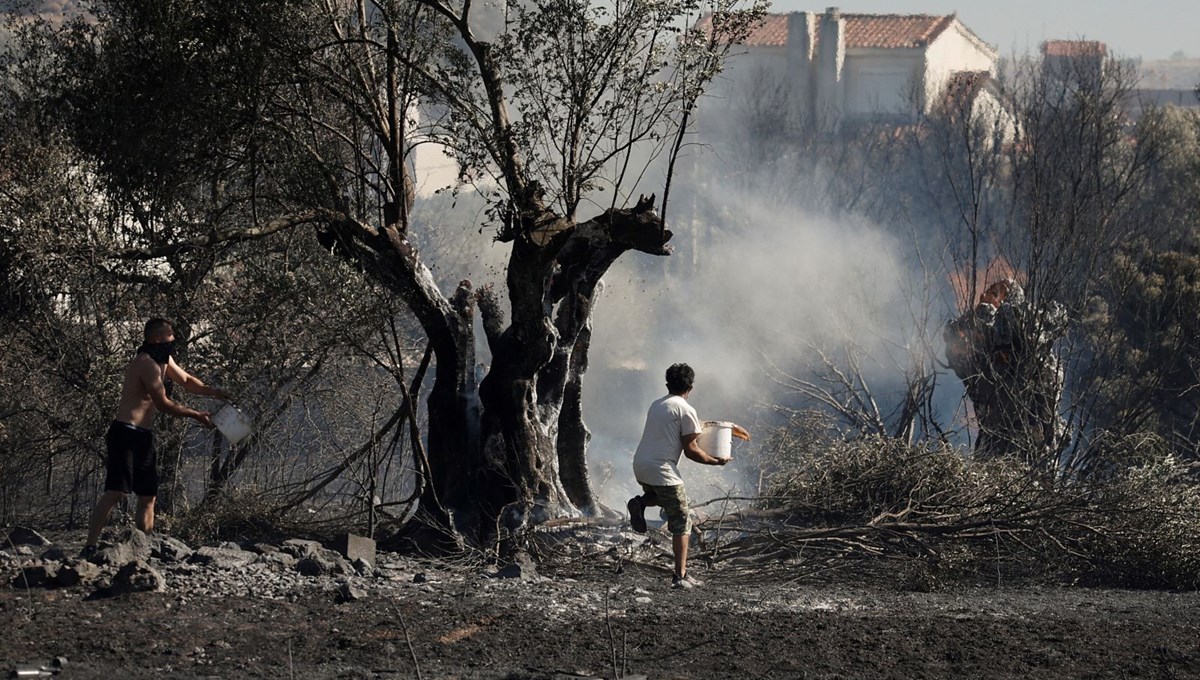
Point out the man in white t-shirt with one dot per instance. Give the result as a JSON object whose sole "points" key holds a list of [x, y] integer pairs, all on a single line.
{"points": [[672, 428]]}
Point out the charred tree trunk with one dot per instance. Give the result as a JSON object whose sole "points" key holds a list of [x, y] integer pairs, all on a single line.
{"points": [[510, 450], [519, 449], [453, 453], [534, 436], [573, 433], [451, 457]]}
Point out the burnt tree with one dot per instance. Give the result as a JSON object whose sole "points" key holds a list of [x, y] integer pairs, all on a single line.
{"points": [[316, 127]]}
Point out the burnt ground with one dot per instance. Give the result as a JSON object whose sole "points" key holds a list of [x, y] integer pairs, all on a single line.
{"points": [[594, 616]]}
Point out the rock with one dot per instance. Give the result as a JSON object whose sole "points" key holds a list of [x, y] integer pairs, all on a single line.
{"points": [[263, 548], [37, 575], [134, 577], [26, 536], [24, 551], [324, 563], [169, 549], [355, 548], [280, 559], [349, 593], [522, 567], [79, 571], [419, 578], [363, 567], [229, 545], [300, 547], [130, 545], [55, 554], [222, 558]]}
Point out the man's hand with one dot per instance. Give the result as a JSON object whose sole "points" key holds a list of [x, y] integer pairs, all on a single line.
{"points": [[204, 418], [722, 461]]}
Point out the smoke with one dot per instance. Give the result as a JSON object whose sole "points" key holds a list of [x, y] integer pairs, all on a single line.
{"points": [[761, 278], [769, 284]]}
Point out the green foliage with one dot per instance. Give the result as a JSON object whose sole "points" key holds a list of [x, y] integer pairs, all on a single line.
{"points": [[1144, 328]]}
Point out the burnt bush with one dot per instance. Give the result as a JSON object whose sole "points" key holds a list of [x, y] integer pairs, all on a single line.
{"points": [[944, 515]]}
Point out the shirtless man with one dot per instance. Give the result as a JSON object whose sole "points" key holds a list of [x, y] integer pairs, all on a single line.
{"points": [[132, 464]]}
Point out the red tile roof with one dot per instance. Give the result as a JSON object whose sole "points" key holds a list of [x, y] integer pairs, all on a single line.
{"points": [[894, 30], [772, 32], [1074, 48], [863, 30]]}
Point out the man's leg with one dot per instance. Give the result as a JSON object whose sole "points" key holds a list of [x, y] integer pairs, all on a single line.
{"points": [[108, 501], [145, 513], [637, 508], [679, 544], [674, 501]]}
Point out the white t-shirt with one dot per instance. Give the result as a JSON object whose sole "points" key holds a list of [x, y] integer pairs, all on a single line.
{"points": [[657, 459]]}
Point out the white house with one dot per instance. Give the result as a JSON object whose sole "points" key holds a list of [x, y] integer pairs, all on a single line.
{"points": [[841, 67]]}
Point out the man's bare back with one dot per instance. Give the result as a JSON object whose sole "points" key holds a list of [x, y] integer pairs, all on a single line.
{"points": [[144, 392], [136, 406]]}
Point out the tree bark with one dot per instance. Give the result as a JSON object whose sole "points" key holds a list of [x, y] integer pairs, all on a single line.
{"points": [[573, 433]]}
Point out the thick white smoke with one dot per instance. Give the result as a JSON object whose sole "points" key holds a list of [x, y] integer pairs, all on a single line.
{"points": [[766, 287]]}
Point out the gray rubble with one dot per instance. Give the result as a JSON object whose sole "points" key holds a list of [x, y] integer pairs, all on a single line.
{"points": [[292, 570]]}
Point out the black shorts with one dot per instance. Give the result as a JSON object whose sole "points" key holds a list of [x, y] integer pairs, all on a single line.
{"points": [[132, 465]]}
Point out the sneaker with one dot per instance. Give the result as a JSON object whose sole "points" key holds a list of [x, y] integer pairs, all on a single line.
{"points": [[685, 582], [88, 552], [637, 514]]}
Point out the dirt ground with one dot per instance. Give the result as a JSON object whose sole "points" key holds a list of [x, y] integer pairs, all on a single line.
{"points": [[587, 619]]}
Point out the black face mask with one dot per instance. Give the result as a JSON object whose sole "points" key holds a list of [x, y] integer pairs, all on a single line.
{"points": [[161, 352]]}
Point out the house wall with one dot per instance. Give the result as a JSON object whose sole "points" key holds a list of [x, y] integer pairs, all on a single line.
{"points": [[879, 83], [828, 82], [952, 51], [990, 111]]}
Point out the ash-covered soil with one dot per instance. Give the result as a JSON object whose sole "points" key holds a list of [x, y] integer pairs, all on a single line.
{"points": [[595, 613]]}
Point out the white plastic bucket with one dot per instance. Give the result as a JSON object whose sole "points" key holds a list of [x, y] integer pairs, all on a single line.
{"points": [[232, 423], [716, 439]]}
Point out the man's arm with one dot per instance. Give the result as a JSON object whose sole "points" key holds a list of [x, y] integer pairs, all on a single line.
{"points": [[691, 449], [193, 384], [152, 381]]}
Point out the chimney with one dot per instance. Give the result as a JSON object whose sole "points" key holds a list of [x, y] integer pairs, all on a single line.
{"points": [[802, 36], [801, 60], [831, 55]]}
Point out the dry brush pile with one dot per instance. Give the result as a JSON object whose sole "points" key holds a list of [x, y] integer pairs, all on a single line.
{"points": [[934, 514]]}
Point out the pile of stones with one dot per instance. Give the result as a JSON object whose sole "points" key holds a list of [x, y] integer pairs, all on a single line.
{"points": [[347, 568], [129, 561]]}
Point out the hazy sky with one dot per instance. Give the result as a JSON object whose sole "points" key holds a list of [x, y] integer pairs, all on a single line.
{"points": [[1152, 29]]}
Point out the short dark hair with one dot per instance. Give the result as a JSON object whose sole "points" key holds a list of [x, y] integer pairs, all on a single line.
{"points": [[156, 327], [680, 378]]}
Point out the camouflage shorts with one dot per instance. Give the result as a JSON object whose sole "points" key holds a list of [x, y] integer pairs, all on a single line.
{"points": [[674, 502]]}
